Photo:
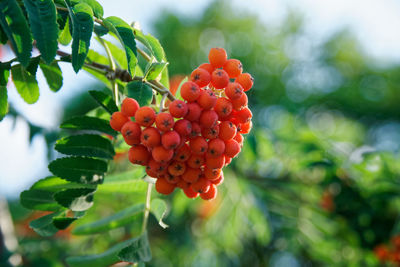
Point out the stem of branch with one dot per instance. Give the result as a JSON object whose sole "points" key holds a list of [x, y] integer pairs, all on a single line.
{"points": [[147, 207]]}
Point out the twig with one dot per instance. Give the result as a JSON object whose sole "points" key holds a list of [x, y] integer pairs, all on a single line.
{"points": [[147, 207]]}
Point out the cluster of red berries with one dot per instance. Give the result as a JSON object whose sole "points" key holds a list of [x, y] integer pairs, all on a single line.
{"points": [[188, 145], [389, 253]]}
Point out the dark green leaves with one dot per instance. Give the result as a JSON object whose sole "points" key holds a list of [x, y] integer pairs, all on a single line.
{"points": [[3, 101], [88, 123], [44, 225], [25, 83], [53, 75], [16, 28], [140, 91], [97, 8], [43, 21], [86, 145], [125, 34], [79, 199], [39, 200], [79, 169], [106, 101], [137, 251]]}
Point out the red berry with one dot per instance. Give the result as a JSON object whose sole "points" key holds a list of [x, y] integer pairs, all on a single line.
{"points": [[183, 153], [245, 80], [157, 167], [129, 107], [139, 154], [208, 118], [233, 67], [212, 174], [217, 57], [216, 147], [240, 103], [196, 130], [190, 91], [219, 180], [183, 127], [131, 132], [162, 155], [198, 145], [182, 184], [195, 161], [118, 120], [207, 99], [194, 112], [150, 137], [215, 162], [244, 128], [190, 193], [177, 168], [244, 115], [208, 67], [191, 175], [223, 107], [178, 108], [239, 138], [232, 148], [210, 133], [170, 140], [234, 91], [210, 194], [145, 116], [164, 121], [227, 130], [201, 186], [219, 79], [201, 77], [163, 187]]}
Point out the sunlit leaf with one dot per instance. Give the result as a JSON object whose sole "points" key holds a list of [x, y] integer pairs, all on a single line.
{"points": [[79, 199], [159, 210], [53, 75], [140, 91], [25, 83], [88, 123], [105, 100], [39, 200]]}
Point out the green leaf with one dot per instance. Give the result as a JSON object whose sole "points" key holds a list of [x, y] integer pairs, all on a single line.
{"points": [[43, 21], [90, 145], [125, 34], [100, 30], [93, 56], [3, 102], [17, 30], [82, 25], [140, 91], [104, 259], [126, 182], [88, 123], [165, 78], [62, 223], [118, 54], [116, 220], [65, 36], [96, 7], [156, 47], [138, 250], [159, 210], [79, 169], [54, 184], [53, 75], [76, 199], [25, 83], [154, 70], [44, 225], [3, 36], [36, 199], [4, 73], [105, 100], [33, 65]]}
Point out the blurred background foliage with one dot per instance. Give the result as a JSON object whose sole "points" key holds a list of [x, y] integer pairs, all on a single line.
{"points": [[317, 183]]}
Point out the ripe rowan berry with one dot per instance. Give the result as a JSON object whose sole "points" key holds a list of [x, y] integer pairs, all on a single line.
{"points": [[239, 138], [219, 79], [244, 128], [217, 57], [131, 132], [151, 173], [163, 187], [228, 160], [157, 167], [210, 133], [201, 186], [210, 194], [164, 121], [208, 118], [245, 80], [150, 137], [227, 130], [196, 130], [194, 112], [207, 99], [183, 153], [170, 140], [208, 67], [201, 77], [215, 162], [145, 116], [190, 91], [212, 174], [223, 107], [190, 193], [138, 154], [183, 127], [162, 155], [233, 67], [129, 107], [240, 103], [244, 115], [118, 120], [195, 161], [234, 91], [177, 168], [219, 180], [232, 148], [191, 175], [182, 184], [178, 108], [216, 147], [171, 178], [198, 145]]}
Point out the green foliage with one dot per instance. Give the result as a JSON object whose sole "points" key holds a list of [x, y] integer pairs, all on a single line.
{"points": [[140, 91], [106, 101], [53, 75], [65, 37], [159, 210], [88, 123], [39, 200], [137, 251], [25, 83], [79, 199], [3, 101], [154, 70], [44, 225]]}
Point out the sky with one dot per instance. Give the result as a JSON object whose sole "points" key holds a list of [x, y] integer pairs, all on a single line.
{"points": [[374, 22]]}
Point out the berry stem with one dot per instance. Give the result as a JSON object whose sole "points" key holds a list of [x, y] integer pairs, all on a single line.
{"points": [[147, 207]]}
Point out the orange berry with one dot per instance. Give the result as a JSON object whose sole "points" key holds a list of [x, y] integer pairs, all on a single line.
{"points": [[244, 128], [240, 103], [190, 91], [219, 79], [228, 160], [129, 107], [196, 130], [208, 67], [190, 193], [178, 108], [239, 138], [216, 147], [183, 127], [207, 99], [217, 57], [194, 112], [145, 116], [244, 115], [215, 162], [182, 184], [131, 132], [223, 107], [227, 130], [232, 148], [208, 118], [139, 154], [170, 140], [234, 91], [177, 168], [201, 186], [157, 167], [210, 194], [191, 175], [245, 80], [195, 161], [210, 133], [162, 155], [164, 121], [201, 77], [212, 174], [150, 137], [233, 67], [198, 145], [151, 173], [163, 187], [118, 120], [219, 180], [172, 179], [183, 153]]}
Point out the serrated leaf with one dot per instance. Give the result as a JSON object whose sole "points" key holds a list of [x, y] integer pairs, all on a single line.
{"points": [[116, 220], [44, 225], [140, 91], [165, 78], [17, 30], [142, 38], [138, 250], [43, 21], [125, 34], [54, 184], [96, 7], [4, 73], [33, 65], [36, 199], [90, 145], [78, 199], [82, 25], [159, 210], [25, 83], [79, 169], [105, 100], [158, 51], [127, 182], [88, 123], [3, 102], [65, 36], [154, 70], [62, 223], [53, 75]]}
